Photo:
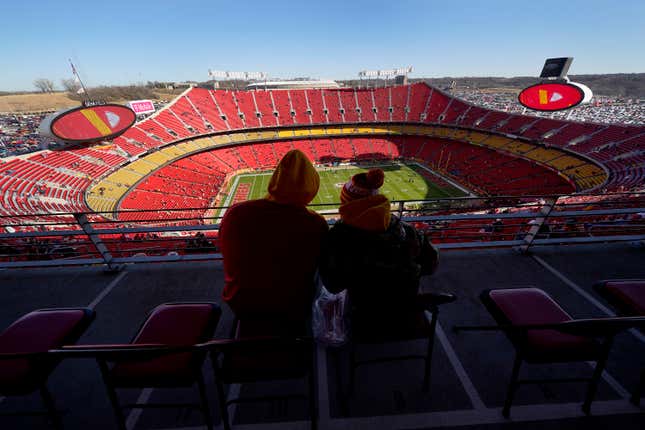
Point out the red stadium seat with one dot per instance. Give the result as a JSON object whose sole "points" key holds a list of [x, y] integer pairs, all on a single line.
{"points": [[542, 332], [264, 350], [170, 324], [25, 364], [628, 297]]}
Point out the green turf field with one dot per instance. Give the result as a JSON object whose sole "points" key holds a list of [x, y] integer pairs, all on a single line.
{"points": [[402, 182]]}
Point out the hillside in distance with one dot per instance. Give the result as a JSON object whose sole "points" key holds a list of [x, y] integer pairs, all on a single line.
{"points": [[630, 85]]}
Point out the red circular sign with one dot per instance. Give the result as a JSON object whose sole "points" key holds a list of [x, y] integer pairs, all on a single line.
{"points": [[93, 123], [551, 97]]}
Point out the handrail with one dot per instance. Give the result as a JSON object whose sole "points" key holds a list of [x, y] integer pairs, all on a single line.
{"points": [[65, 239]]}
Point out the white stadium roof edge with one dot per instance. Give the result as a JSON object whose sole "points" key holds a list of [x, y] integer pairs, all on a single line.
{"points": [[293, 84]]}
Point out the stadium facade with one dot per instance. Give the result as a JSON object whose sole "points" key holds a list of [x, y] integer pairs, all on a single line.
{"points": [[219, 132], [180, 160]]}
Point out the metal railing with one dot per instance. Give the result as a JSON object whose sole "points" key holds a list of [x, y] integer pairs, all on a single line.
{"points": [[190, 234]]}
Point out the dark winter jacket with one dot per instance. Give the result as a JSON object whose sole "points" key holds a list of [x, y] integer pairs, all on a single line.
{"points": [[381, 271]]}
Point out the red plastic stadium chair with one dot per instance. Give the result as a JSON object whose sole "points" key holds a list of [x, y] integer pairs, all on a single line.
{"points": [[25, 364], [542, 332], [628, 297], [168, 325], [381, 329], [264, 350]]}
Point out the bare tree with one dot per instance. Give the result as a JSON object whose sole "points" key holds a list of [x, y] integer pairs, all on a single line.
{"points": [[44, 85], [70, 85]]}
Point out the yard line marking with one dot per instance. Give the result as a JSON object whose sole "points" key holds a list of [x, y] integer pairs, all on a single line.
{"points": [[613, 383], [233, 393], [107, 290], [135, 414], [465, 380], [324, 414], [455, 418]]}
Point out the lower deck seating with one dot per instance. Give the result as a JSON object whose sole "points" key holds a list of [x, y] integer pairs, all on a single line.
{"points": [[51, 181], [195, 181]]}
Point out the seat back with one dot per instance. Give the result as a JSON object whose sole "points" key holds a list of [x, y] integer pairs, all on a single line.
{"points": [[626, 295], [179, 324], [38, 332], [533, 306], [264, 349], [170, 324]]}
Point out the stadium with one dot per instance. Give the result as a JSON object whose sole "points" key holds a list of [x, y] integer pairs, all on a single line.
{"points": [[219, 133], [470, 177], [114, 271]]}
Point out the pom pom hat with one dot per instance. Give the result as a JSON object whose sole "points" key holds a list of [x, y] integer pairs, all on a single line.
{"points": [[362, 185]]}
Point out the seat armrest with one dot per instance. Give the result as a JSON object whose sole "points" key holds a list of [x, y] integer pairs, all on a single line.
{"points": [[123, 352], [428, 300], [601, 326]]}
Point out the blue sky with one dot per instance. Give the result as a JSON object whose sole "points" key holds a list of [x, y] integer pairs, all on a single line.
{"points": [[122, 42]]}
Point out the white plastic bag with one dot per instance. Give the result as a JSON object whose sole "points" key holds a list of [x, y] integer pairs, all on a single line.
{"points": [[329, 324]]}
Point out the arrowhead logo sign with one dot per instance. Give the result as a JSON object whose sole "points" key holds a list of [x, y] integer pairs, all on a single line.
{"points": [[92, 123], [112, 118], [552, 96]]}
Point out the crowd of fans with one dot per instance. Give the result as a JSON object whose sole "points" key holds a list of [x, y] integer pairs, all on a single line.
{"points": [[19, 132], [609, 110]]}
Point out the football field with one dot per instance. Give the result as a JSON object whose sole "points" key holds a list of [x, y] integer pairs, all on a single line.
{"points": [[402, 182]]}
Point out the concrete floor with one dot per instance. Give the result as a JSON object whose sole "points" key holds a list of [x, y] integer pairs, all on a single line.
{"points": [[470, 369]]}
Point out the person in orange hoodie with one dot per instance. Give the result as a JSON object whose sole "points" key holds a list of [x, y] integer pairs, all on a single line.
{"points": [[371, 253], [271, 246]]}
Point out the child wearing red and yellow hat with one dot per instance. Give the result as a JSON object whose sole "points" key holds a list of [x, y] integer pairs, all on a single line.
{"points": [[371, 253]]}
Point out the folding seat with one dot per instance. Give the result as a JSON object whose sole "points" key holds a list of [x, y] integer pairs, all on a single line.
{"points": [[25, 364], [542, 332], [168, 325], [263, 350], [628, 297], [380, 329]]}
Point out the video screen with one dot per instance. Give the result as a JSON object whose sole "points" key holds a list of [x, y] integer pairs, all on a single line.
{"points": [[556, 67]]}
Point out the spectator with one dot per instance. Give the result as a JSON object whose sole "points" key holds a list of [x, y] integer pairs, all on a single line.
{"points": [[376, 257], [497, 225], [602, 109], [271, 246]]}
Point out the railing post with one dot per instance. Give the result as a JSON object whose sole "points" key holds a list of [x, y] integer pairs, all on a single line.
{"points": [[82, 220], [401, 207], [545, 211]]}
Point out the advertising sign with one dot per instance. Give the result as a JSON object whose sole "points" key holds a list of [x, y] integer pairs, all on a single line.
{"points": [[141, 107], [90, 124], [552, 97]]}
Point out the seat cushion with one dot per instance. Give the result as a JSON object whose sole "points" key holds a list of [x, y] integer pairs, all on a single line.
{"points": [[629, 294], [520, 306], [266, 361], [169, 324], [36, 331], [389, 327]]}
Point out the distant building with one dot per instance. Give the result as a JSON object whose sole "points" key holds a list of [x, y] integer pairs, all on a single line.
{"points": [[272, 85], [187, 84], [401, 80]]}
